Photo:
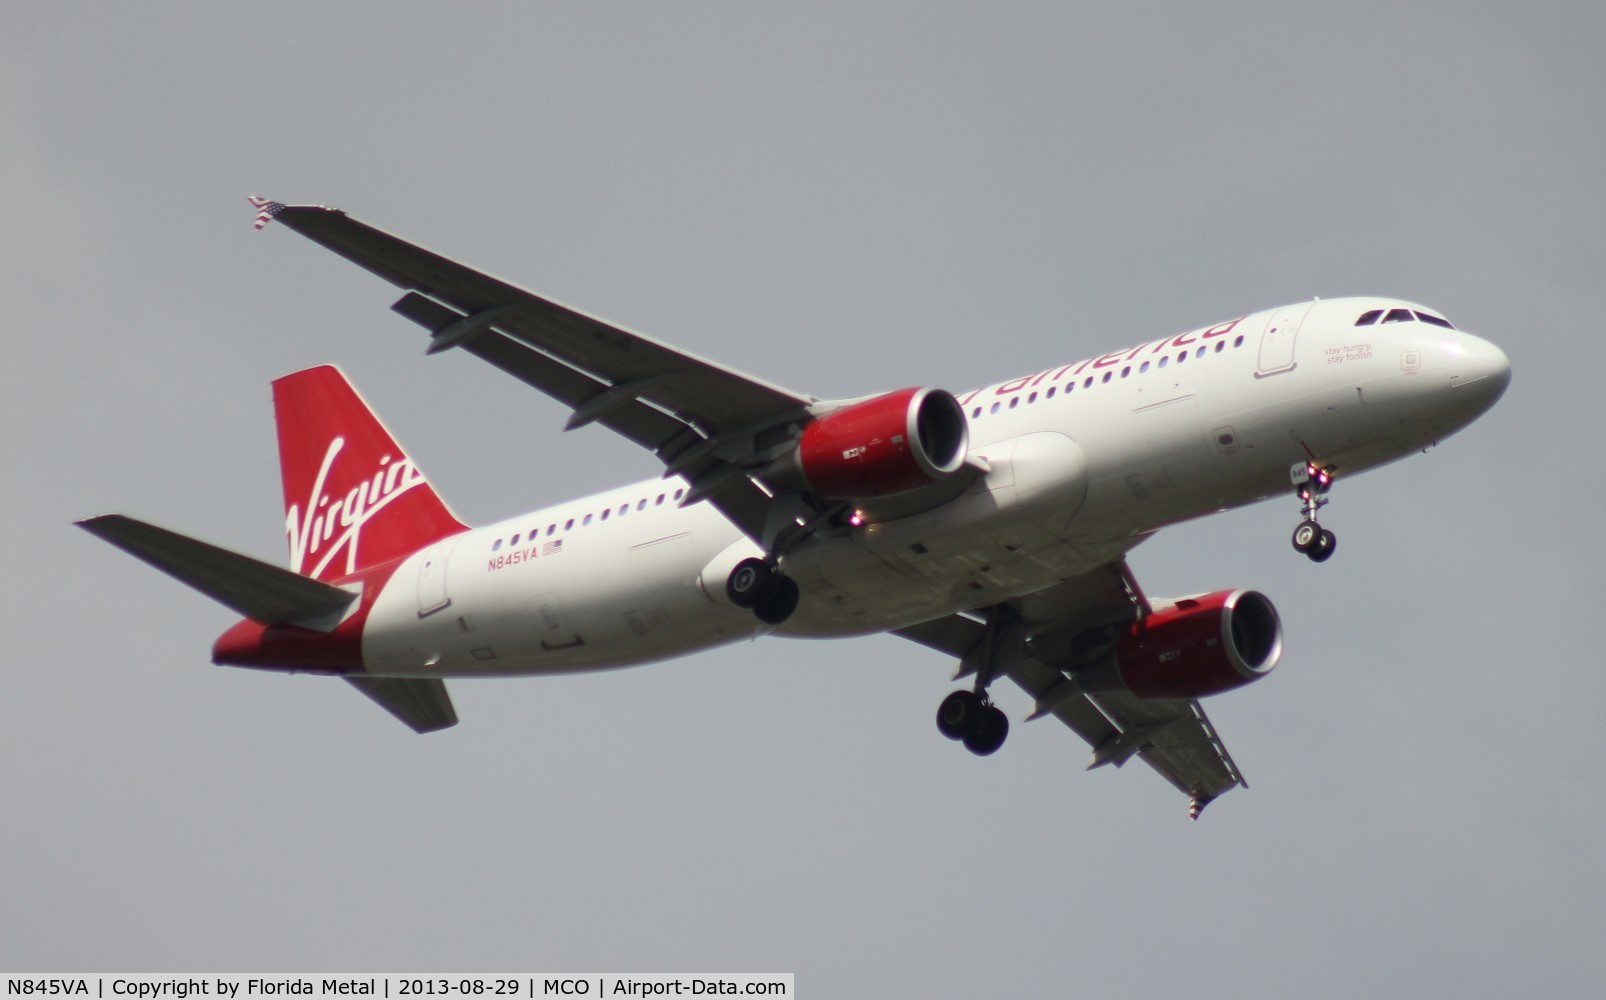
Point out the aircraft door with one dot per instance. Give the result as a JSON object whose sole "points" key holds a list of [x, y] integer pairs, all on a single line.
{"points": [[432, 595], [1277, 342]]}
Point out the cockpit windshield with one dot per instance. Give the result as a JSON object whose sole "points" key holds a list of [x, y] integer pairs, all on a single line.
{"points": [[1372, 316]]}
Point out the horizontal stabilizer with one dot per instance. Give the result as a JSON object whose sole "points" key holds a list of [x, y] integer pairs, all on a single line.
{"points": [[422, 704], [259, 591]]}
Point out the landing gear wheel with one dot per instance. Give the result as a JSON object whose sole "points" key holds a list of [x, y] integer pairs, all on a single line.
{"points": [[1323, 549], [1307, 536], [749, 583], [777, 605], [961, 713], [757, 585], [985, 741]]}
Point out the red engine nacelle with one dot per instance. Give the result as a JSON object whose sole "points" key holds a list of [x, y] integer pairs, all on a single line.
{"points": [[890, 444], [1195, 647]]}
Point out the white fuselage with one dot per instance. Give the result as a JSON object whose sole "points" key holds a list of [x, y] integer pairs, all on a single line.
{"points": [[1082, 462]]}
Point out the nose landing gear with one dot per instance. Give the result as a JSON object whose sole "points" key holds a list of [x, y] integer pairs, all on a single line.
{"points": [[1310, 539]]}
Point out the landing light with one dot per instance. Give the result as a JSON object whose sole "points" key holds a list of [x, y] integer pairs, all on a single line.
{"points": [[856, 518]]}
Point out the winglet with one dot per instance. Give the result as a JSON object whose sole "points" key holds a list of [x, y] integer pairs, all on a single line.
{"points": [[266, 210], [1196, 805]]}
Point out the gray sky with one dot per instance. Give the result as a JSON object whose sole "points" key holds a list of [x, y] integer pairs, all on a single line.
{"points": [[842, 200]]}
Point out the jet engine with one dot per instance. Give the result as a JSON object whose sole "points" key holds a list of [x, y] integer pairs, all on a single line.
{"points": [[1193, 647], [880, 446]]}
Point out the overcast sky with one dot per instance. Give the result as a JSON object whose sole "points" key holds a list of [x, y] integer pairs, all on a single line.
{"points": [[840, 198]]}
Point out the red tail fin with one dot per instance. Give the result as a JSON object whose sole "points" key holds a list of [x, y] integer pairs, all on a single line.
{"points": [[352, 497]]}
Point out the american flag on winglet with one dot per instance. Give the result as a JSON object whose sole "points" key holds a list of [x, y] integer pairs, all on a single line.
{"points": [[550, 547], [266, 210]]}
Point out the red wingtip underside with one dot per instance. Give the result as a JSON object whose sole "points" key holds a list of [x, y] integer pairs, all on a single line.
{"points": [[352, 496]]}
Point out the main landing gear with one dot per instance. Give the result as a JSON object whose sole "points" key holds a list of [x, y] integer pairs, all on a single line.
{"points": [[1311, 539], [759, 584], [969, 716]]}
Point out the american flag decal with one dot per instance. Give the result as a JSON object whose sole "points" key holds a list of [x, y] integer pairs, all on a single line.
{"points": [[266, 210], [552, 547]]}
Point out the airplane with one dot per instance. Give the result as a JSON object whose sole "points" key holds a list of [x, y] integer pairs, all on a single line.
{"points": [[992, 525]]}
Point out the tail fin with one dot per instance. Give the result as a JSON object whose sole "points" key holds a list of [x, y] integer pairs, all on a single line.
{"points": [[352, 497]]}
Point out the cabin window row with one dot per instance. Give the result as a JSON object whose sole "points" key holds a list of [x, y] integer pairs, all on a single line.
{"points": [[1092, 380], [582, 520]]}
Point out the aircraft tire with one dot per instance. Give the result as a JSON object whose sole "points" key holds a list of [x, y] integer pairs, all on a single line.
{"points": [[994, 729], [1323, 549], [1307, 537], [749, 583], [777, 605], [960, 714]]}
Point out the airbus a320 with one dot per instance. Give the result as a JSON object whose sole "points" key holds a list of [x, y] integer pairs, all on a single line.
{"points": [[990, 525]]}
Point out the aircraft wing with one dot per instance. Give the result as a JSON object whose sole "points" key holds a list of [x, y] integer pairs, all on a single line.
{"points": [[1173, 737], [703, 420]]}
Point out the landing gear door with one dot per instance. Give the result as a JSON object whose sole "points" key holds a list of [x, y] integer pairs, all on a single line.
{"points": [[432, 595], [1277, 342]]}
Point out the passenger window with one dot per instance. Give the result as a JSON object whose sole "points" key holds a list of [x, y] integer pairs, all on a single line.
{"points": [[1163, 359], [1143, 368], [975, 413], [1435, 320], [568, 525], [659, 501], [1106, 377], [551, 529], [1126, 371], [1220, 346], [1398, 316], [1238, 341], [1014, 402], [1031, 399], [515, 540], [1087, 383], [586, 521], [1368, 318], [993, 408], [1050, 393], [641, 504], [496, 546]]}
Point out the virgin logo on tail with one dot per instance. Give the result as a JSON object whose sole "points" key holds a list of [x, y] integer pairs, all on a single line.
{"points": [[312, 526]]}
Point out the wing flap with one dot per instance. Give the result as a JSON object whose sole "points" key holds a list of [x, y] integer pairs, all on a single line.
{"points": [[701, 391], [639, 422], [1180, 744]]}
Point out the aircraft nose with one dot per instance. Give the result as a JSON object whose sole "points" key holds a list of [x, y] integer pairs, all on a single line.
{"points": [[1479, 372], [1480, 361]]}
